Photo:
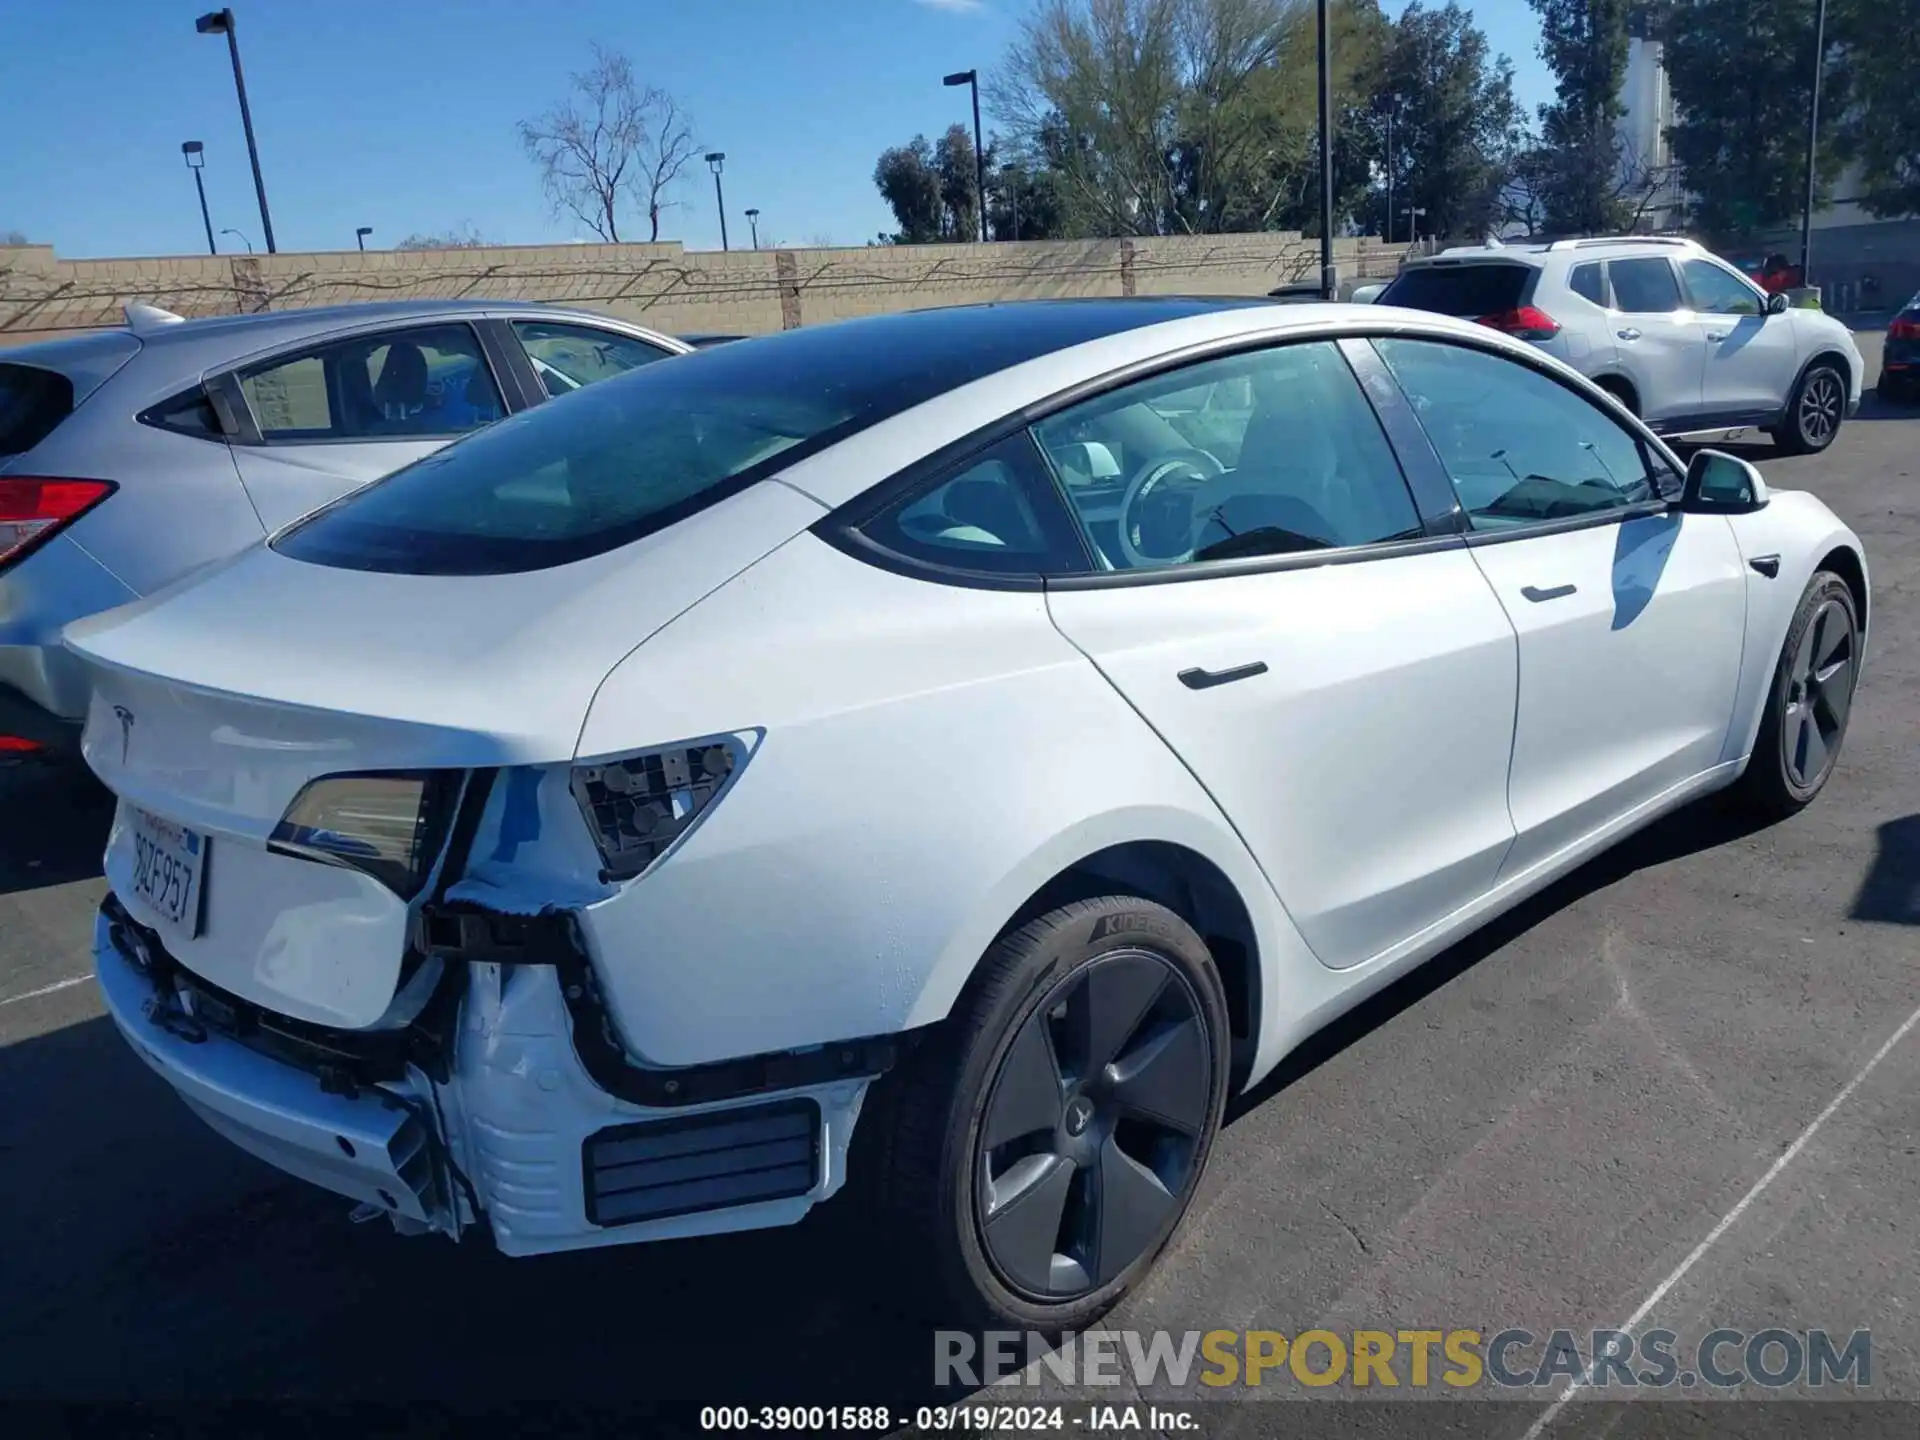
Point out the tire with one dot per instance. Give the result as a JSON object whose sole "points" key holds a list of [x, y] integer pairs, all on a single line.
{"points": [[1110, 1186], [1824, 638], [1815, 411]]}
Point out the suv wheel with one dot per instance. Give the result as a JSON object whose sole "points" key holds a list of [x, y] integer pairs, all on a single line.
{"points": [[1039, 1152], [1815, 411]]}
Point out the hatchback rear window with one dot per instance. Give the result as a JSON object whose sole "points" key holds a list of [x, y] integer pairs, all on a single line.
{"points": [[32, 402], [620, 459], [1472, 290]]}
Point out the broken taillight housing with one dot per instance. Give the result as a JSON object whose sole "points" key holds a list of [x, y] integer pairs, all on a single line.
{"points": [[389, 825], [638, 805]]}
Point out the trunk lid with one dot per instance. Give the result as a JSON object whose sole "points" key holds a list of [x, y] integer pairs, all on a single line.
{"points": [[216, 702]]}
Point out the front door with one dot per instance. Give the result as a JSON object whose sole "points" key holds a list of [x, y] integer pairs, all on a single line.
{"points": [[1343, 686], [333, 416], [1749, 358], [1630, 615]]}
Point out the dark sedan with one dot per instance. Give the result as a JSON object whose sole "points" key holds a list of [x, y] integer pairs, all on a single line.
{"points": [[1900, 361]]}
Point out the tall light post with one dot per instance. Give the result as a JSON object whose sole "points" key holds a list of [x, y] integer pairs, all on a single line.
{"points": [[361, 235], [715, 159], [971, 79], [220, 22], [195, 155], [243, 239], [1328, 285], [1813, 137], [753, 220]]}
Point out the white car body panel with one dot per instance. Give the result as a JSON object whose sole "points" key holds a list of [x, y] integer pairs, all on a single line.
{"points": [[921, 760]]}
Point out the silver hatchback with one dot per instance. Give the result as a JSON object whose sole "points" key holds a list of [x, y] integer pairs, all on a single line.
{"points": [[130, 457]]}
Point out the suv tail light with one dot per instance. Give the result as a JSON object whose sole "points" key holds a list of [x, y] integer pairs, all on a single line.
{"points": [[33, 511], [1526, 323], [1905, 327]]}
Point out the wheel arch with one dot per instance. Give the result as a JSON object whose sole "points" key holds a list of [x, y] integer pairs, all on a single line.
{"points": [[1846, 562], [1621, 388]]}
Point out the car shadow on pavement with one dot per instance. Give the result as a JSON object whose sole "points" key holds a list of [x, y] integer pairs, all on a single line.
{"points": [[55, 827], [1890, 894]]}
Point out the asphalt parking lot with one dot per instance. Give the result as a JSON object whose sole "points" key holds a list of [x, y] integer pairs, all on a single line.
{"points": [[1541, 1129]]}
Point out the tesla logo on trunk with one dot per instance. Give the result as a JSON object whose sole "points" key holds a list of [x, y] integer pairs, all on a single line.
{"points": [[125, 717]]}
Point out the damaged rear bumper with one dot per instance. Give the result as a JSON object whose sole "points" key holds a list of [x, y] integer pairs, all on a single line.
{"points": [[499, 1120]]}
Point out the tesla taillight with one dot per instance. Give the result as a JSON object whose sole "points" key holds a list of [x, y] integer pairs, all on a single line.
{"points": [[34, 510], [1525, 323], [387, 824], [638, 805]]}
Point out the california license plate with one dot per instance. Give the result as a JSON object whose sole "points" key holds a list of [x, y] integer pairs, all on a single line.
{"points": [[169, 864]]}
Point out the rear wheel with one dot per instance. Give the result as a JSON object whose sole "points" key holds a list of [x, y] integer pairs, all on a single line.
{"points": [[1808, 707], [1039, 1155], [1815, 411]]}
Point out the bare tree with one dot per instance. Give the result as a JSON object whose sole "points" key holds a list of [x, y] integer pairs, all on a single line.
{"points": [[611, 137], [464, 238]]}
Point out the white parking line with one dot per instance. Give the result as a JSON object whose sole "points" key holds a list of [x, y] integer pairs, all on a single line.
{"points": [[1728, 1220], [47, 989]]}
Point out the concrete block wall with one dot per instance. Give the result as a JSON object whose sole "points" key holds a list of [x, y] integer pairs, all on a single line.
{"points": [[665, 286]]}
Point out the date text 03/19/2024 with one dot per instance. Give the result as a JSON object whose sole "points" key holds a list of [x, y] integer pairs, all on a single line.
{"points": [[962, 1419]]}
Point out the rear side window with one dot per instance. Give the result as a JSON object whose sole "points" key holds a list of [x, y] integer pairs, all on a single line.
{"points": [[566, 357], [1000, 513], [1588, 283], [32, 403], [421, 383], [1644, 287], [1470, 290]]}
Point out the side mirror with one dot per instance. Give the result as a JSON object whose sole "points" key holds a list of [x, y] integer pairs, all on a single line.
{"points": [[1777, 303], [1722, 484]]}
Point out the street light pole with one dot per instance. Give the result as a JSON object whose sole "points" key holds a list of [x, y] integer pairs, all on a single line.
{"points": [[753, 220], [1389, 172], [220, 22], [1328, 287], [195, 155], [243, 239], [715, 159], [361, 235], [971, 79], [1813, 136]]}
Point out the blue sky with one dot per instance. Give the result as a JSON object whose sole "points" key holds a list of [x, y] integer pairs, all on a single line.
{"points": [[400, 114]]}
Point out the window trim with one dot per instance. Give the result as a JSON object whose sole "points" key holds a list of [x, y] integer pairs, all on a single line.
{"points": [[1645, 437], [253, 435], [842, 527]]}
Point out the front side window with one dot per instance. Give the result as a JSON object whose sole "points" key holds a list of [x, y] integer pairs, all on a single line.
{"points": [[1520, 448], [1266, 453], [566, 357], [426, 382], [1644, 287], [1715, 292]]}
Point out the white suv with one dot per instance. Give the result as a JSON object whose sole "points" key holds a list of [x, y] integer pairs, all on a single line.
{"points": [[1679, 337]]}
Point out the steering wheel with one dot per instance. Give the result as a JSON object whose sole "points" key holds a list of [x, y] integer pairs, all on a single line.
{"points": [[1150, 482]]}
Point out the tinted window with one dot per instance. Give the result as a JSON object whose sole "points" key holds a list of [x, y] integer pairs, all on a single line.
{"points": [[1587, 282], [1473, 290], [191, 413], [565, 357], [1259, 454], [1644, 287], [1716, 292], [32, 402], [1520, 448], [999, 513], [425, 382]]}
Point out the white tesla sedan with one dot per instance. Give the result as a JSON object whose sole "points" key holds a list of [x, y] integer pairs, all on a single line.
{"points": [[946, 752]]}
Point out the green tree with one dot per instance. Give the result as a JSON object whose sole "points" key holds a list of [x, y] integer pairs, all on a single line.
{"points": [[1584, 44], [929, 187], [1457, 127], [1880, 53], [1741, 72]]}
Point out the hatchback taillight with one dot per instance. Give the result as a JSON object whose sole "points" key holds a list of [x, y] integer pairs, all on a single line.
{"points": [[34, 510], [1525, 323], [1905, 327]]}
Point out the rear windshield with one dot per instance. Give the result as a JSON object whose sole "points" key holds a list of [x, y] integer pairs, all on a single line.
{"points": [[32, 402], [609, 463], [1473, 290]]}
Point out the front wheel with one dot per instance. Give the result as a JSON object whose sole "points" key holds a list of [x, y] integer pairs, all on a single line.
{"points": [[1814, 411], [1809, 704], [1039, 1155]]}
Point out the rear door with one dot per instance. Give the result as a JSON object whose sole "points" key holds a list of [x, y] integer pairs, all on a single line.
{"points": [[1749, 359], [326, 418], [1271, 603], [1656, 342]]}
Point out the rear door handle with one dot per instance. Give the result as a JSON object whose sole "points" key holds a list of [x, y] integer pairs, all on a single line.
{"points": [[1198, 679], [1536, 594], [1628, 334]]}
